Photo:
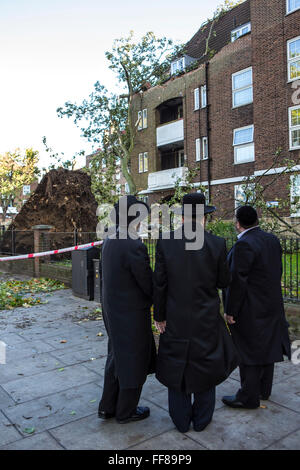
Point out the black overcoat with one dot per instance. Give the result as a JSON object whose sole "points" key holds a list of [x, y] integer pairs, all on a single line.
{"points": [[254, 299], [196, 346], [126, 294]]}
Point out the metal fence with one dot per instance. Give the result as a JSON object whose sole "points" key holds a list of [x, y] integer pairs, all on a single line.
{"points": [[14, 242]]}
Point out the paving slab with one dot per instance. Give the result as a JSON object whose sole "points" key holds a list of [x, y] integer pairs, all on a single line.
{"points": [[8, 433], [33, 365], [11, 338], [247, 429], [5, 398], [51, 329], [170, 440], [28, 388], [92, 433], [96, 365], [26, 349], [290, 442], [81, 352], [43, 441], [80, 338], [287, 393], [56, 409]]}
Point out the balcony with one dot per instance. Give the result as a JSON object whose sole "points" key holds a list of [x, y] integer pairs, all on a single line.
{"points": [[170, 133], [166, 179]]}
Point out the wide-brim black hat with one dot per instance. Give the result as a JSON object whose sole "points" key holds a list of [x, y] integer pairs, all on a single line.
{"points": [[128, 202], [195, 199]]}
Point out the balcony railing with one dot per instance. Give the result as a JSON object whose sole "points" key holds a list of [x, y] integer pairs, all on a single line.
{"points": [[170, 133], [166, 178]]}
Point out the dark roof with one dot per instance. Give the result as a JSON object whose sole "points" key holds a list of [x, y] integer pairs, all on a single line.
{"points": [[238, 16]]}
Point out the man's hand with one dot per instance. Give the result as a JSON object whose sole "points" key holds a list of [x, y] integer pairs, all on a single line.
{"points": [[229, 319], [160, 326]]}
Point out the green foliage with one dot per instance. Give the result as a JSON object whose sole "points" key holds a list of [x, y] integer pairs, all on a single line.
{"points": [[15, 293], [16, 169], [105, 118], [222, 228]]}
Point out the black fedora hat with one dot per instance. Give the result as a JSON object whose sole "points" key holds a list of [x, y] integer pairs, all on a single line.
{"points": [[195, 199], [128, 202]]}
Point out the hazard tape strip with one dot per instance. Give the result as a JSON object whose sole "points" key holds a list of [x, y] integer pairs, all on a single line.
{"points": [[53, 252]]}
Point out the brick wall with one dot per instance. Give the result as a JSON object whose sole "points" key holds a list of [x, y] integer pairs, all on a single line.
{"points": [[265, 49]]}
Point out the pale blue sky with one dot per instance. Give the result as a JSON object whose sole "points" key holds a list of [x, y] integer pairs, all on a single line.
{"points": [[52, 51]]}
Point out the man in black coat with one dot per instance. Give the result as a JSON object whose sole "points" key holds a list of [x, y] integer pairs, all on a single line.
{"points": [[195, 350], [254, 309], [126, 295]]}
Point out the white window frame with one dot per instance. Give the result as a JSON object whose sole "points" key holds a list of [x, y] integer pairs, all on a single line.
{"points": [[240, 28], [246, 144], [292, 195], [235, 90], [196, 99], [203, 97], [143, 157], [288, 12], [181, 157], [198, 149], [27, 191], [140, 120], [291, 60], [145, 118], [204, 146], [174, 66], [293, 128]]}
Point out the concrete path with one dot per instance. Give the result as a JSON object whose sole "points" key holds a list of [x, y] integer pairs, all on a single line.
{"points": [[51, 384]]}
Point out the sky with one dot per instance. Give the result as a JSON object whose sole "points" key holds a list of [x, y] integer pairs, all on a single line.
{"points": [[52, 51]]}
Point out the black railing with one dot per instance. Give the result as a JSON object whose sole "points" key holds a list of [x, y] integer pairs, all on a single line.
{"points": [[14, 242]]}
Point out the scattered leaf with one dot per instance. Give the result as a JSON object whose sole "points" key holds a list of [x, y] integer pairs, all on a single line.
{"points": [[29, 430]]}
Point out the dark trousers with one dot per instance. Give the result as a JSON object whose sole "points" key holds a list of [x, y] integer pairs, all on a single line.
{"points": [[115, 400], [256, 382], [183, 411]]}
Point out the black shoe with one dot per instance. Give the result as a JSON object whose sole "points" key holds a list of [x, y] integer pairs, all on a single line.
{"points": [[104, 415], [140, 413], [234, 402]]}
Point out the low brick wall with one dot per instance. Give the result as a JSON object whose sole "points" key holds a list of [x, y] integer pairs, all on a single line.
{"points": [[55, 271], [50, 270]]}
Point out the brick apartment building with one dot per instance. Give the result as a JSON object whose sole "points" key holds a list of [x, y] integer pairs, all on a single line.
{"points": [[229, 115]]}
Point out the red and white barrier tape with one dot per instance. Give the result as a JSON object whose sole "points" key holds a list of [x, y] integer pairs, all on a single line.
{"points": [[53, 252]]}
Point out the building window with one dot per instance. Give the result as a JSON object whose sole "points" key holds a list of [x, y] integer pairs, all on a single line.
{"points": [[203, 97], [294, 125], [295, 195], [294, 58], [242, 88], [143, 162], [201, 149], [198, 150], [196, 99], [142, 119], [243, 142], [26, 189], [178, 66], [240, 31], [180, 158], [292, 5], [243, 194], [205, 148], [127, 188]]}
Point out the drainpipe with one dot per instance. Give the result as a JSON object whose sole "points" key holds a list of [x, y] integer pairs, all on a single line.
{"points": [[208, 131]]}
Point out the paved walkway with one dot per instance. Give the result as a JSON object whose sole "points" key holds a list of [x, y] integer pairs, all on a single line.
{"points": [[51, 385]]}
